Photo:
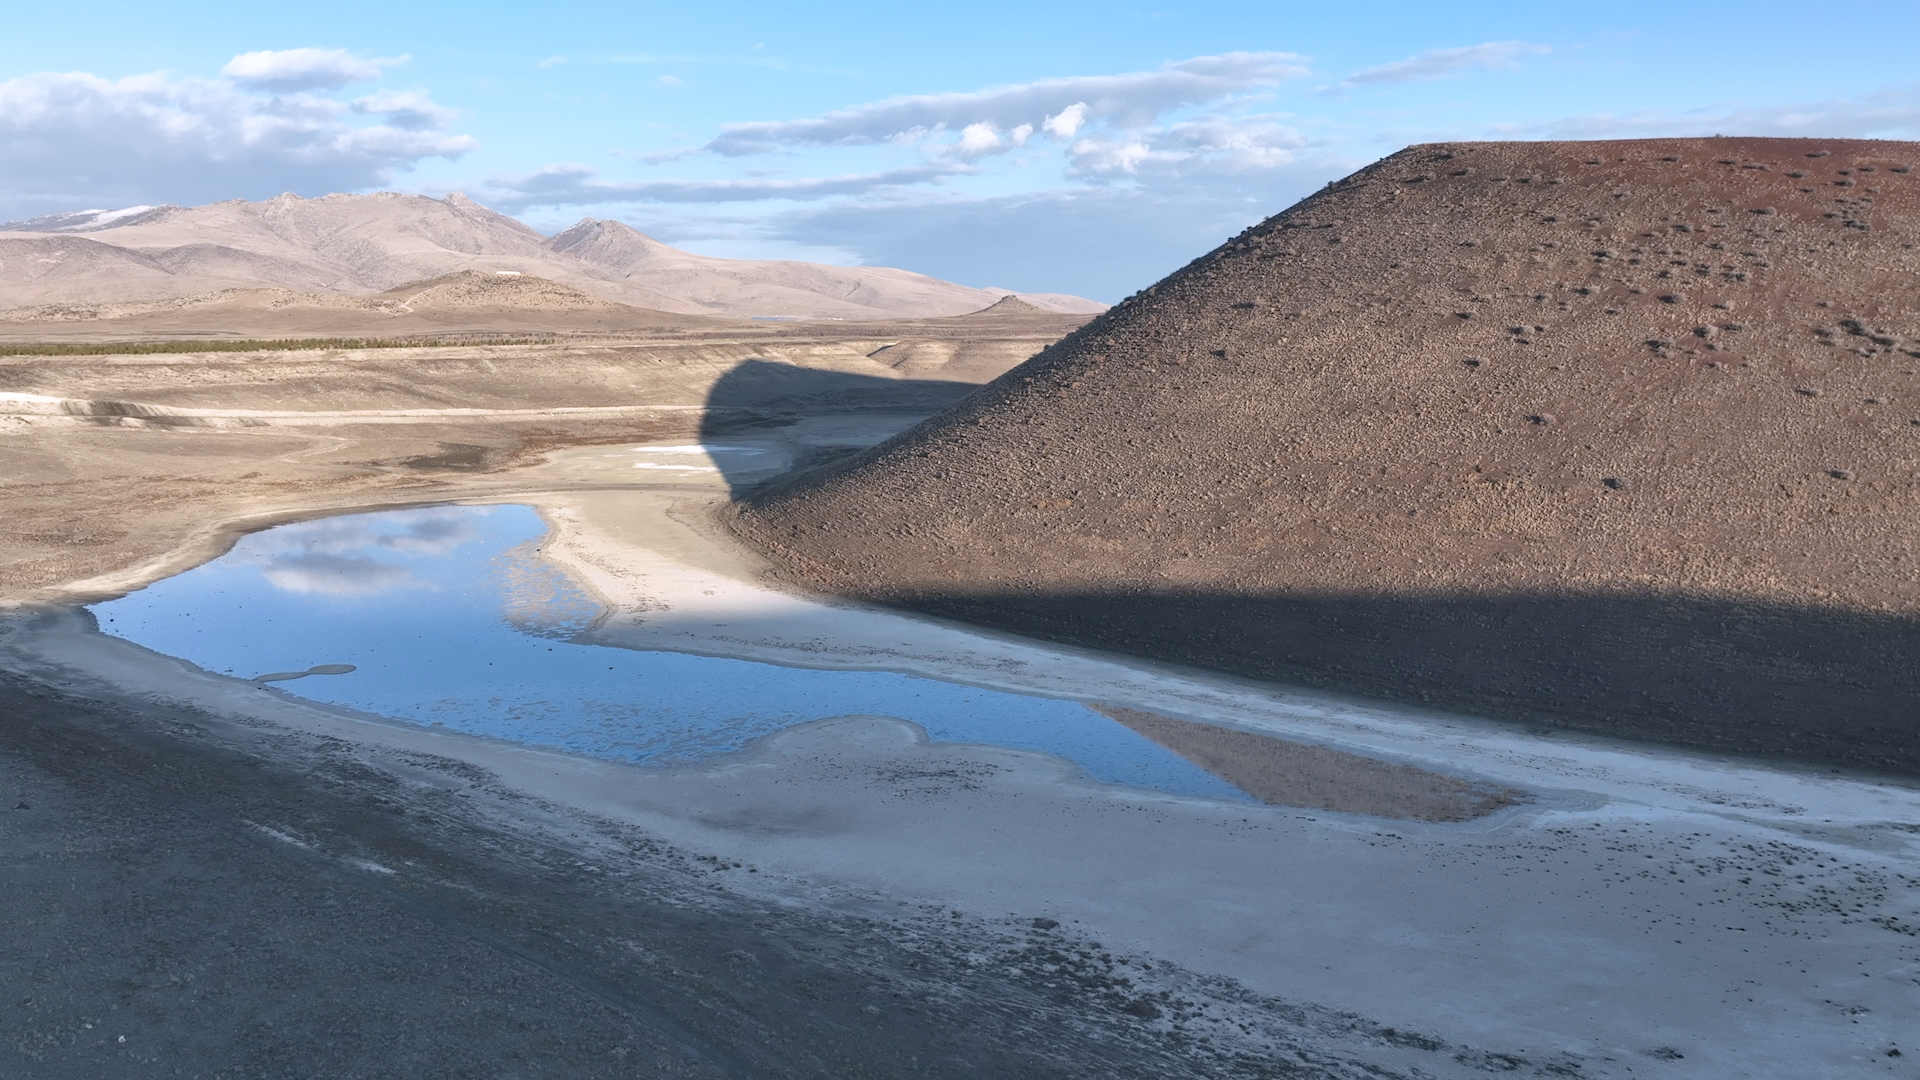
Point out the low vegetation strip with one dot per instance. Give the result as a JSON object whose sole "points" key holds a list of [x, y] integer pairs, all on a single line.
{"points": [[134, 348]]}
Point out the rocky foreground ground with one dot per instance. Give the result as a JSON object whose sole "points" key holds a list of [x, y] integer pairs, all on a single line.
{"points": [[185, 900]]}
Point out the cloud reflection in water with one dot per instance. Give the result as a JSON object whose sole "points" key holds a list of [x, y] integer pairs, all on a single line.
{"points": [[343, 556], [448, 616]]}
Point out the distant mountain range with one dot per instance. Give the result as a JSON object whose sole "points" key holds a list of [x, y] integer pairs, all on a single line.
{"points": [[365, 244]]}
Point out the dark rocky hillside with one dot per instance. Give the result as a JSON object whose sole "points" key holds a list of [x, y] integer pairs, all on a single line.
{"points": [[1615, 436]]}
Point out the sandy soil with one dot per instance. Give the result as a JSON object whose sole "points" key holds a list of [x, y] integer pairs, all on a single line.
{"points": [[1281, 772], [124, 468]]}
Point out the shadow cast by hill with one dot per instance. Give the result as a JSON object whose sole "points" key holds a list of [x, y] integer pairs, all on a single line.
{"points": [[763, 396], [1815, 684]]}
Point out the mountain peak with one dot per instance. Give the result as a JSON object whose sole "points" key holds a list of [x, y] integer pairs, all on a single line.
{"points": [[350, 243], [610, 244], [87, 220], [1012, 305]]}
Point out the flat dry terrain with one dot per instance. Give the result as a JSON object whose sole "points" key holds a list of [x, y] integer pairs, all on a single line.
{"points": [[122, 467], [1617, 436]]}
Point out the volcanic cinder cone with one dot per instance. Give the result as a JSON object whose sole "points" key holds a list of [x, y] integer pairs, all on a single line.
{"points": [[1619, 436]]}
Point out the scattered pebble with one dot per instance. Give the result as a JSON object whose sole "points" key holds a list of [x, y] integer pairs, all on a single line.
{"points": [[1615, 483], [1840, 474]]}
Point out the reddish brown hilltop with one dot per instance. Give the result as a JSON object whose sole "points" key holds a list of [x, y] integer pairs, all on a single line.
{"points": [[1619, 436]]}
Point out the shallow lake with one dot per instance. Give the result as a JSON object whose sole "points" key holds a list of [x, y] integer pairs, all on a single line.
{"points": [[448, 616]]}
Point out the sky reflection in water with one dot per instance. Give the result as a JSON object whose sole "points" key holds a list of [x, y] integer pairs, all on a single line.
{"points": [[450, 617]]}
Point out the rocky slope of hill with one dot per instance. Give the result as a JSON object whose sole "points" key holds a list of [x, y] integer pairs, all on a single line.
{"points": [[1616, 436]]}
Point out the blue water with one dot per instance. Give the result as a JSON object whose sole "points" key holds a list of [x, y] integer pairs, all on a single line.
{"points": [[450, 618]]}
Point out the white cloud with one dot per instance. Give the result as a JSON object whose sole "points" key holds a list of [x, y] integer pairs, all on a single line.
{"points": [[344, 556], [431, 531], [1058, 106], [1110, 125], [1440, 63], [335, 575], [1095, 156], [77, 139], [1067, 122], [579, 185], [409, 111], [1210, 143], [285, 70], [976, 139]]}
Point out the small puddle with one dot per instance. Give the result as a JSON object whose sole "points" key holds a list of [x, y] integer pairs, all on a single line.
{"points": [[448, 616], [696, 458]]}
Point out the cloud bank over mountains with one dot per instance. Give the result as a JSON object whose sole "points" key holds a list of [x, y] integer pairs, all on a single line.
{"points": [[1194, 142], [1057, 108], [580, 185], [1103, 125], [68, 138]]}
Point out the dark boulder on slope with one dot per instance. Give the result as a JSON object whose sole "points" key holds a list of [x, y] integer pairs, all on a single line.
{"points": [[1612, 436]]}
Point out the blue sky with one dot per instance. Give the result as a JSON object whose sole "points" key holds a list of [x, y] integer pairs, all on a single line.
{"points": [[1069, 147]]}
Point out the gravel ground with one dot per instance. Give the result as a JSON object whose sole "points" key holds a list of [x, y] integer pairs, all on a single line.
{"points": [[190, 899]]}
